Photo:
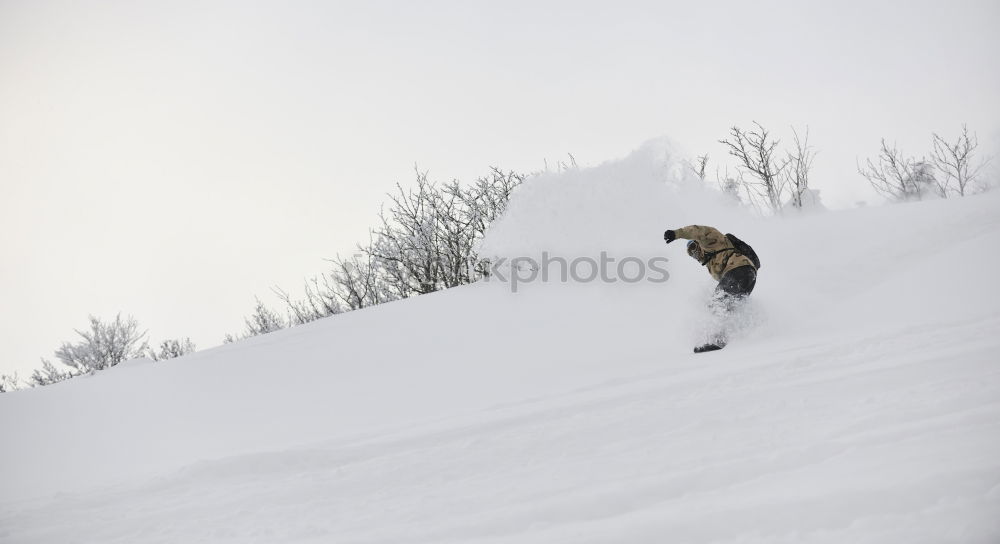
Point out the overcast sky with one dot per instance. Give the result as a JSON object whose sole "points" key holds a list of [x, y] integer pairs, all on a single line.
{"points": [[171, 160]]}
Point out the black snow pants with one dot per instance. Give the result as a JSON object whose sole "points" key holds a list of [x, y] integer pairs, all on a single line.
{"points": [[735, 286], [738, 282]]}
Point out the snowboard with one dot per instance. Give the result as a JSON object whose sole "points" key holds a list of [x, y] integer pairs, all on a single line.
{"points": [[710, 347]]}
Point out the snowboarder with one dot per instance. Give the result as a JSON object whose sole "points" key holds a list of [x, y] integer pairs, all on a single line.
{"points": [[730, 261]]}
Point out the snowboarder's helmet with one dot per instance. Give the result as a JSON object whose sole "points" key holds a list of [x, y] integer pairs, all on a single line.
{"points": [[693, 248]]}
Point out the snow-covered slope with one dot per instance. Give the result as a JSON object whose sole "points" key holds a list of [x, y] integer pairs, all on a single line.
{"points": [[861, 404]]}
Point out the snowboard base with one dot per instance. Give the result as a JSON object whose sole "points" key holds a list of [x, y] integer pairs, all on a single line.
{"points": [[709, 347]]}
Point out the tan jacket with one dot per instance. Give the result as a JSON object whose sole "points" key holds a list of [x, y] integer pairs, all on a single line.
{"points": [[714, 242]]}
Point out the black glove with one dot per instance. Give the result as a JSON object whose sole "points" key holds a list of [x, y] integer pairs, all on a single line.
{"points": [[669, 236]]}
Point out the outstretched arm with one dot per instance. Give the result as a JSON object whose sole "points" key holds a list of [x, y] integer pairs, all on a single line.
{"points": [[707, 237]]}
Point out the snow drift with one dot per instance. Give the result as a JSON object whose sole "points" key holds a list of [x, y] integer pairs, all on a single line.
{"points": [[862, 405]]}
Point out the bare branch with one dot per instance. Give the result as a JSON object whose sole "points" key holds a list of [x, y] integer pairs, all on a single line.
{"points": [[799, 161], [754, 151]]}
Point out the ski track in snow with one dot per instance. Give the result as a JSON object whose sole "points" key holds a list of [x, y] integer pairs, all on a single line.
{"points": [[861, 405]]}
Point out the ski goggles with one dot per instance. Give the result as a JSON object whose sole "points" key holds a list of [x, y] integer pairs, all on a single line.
{"points": [[693, 249]]}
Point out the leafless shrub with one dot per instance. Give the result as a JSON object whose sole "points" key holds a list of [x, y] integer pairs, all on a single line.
{"points": [[262, 321], [954, 162], [104, 345], [49, 374], [699, 166], [171, 349], [425, 241], [898, 177], [358, 281], [9, 382], [428, 234]]}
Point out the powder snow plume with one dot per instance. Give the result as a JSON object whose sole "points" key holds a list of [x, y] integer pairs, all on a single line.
{"points": [[621, 206]]}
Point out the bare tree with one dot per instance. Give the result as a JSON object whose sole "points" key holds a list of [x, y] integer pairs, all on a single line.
{"points": [[320, 300], [262, 321], [406, 245], [171, 349], [954, 162], [484, 202], [426, 241], [104, 345], [799, 162], [9, 382], [353, 283], [49, 375], [428, 234], [896, 176], [755, 152], [359, 281], [699, 167]]}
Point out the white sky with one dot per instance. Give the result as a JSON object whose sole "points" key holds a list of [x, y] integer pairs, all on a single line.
{"points": [[171, 160]]}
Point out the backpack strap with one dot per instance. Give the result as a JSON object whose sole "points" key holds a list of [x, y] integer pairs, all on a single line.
{"points": [[709, 256], [725, 264]]}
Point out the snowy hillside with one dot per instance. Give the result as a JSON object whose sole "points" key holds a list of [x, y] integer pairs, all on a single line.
{"points": [[860, 404]]}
